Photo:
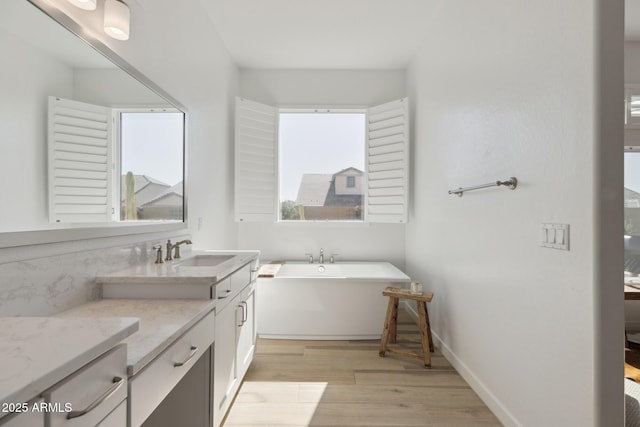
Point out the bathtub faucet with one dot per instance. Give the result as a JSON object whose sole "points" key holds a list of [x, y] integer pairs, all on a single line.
{"points": [[320, 258]]}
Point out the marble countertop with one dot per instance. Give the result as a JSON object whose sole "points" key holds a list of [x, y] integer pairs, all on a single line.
{"points": [[174, 272], [37, 352], [161, 322]]}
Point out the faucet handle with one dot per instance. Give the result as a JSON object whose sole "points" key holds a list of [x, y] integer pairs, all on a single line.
{"points": [[310, 257], [169, 247], [158, 249], [332, 259]]}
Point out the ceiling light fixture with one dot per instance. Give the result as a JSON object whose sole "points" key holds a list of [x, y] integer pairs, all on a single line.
{"points": [[116, 19], [85, 4]]}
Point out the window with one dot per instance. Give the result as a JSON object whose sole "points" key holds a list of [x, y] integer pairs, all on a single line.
{"points": [[632, 211], [632, 106], [319, 166], [320, 153], [110, 165], [151, 165]]}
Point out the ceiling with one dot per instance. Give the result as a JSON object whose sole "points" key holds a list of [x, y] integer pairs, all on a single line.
{"points": [[334, 34], [321, 34]]}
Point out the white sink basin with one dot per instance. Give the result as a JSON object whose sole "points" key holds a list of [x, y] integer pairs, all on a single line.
{"points": [[204, 260]]}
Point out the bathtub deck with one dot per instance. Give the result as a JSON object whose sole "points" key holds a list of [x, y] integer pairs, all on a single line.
{"points": [[346, 383]]}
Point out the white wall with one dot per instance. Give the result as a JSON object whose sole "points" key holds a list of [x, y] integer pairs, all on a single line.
{"points": [[112, 88], [23, 147], [511, 89], [322, 87], [357, 88]]}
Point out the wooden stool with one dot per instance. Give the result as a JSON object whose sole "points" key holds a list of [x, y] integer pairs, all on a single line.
{"points": [[391, 324]]}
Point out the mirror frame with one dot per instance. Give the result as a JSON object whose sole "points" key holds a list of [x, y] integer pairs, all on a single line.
{"points": [[88, 231]]}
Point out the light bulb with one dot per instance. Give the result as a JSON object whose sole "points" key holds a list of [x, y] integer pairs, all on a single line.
{"points": [[85, 4], [116, 19]]}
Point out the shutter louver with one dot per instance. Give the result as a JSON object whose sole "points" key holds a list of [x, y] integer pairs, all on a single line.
{"points": [[79, 138], [255, 162], [387, 162]]}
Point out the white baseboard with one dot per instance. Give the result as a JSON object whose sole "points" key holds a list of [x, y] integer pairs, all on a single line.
{"points": [[483, 392]]}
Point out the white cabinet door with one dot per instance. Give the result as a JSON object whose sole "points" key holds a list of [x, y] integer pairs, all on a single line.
{"points": [[224, 360], [235, 339], [93, 391], [246, 331], [151, 386]]}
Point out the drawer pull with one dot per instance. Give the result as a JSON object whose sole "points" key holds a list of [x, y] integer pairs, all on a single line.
{"points": [[245, 311], [117, 383], [193, 352], [228, 291]]}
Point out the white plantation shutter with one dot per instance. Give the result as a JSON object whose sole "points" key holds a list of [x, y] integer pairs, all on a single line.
{"points": [[80, 167], [387, 162], [255, 161]]}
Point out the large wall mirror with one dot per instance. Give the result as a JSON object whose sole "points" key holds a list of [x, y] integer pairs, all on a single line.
{"points": [[85, 145]]}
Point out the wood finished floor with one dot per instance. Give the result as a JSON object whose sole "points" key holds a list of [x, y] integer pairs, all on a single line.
{"points": [[346, 384]]}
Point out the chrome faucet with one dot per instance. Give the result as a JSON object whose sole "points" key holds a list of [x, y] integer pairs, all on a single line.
{"points": [[321, 259], [176, 247]]}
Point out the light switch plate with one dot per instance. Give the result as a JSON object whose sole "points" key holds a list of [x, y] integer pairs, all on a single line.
{"points": [[555, 236]]}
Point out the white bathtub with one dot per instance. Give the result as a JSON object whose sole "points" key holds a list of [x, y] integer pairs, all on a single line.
{"points": [[325, 301]]}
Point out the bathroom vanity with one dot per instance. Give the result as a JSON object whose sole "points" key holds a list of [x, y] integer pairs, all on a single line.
{"points": [[224, 279], [173, 335], [168, 345], [64, 372]]}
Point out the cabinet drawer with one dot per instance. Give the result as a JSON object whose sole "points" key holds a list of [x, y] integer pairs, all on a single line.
{"points": [[222, 293], [240, 279], [28, 417], [117, 418], [255, 267], [149, 387], [92, 392]]}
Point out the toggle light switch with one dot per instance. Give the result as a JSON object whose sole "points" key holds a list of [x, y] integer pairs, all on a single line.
{"points": [[554, 236]]}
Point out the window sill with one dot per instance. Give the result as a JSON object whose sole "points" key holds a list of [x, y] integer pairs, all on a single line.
{"points": [[329, 224]]}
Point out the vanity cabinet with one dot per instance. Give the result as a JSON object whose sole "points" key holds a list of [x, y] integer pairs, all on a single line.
{"points": [[150, 387], [235, 337], [95, 394], [28, 418], [246, 330]]}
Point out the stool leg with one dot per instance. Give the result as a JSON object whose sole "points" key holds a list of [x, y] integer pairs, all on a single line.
{"points": [[393, 327], [426, 354], [385, 332], [426, 315]]}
